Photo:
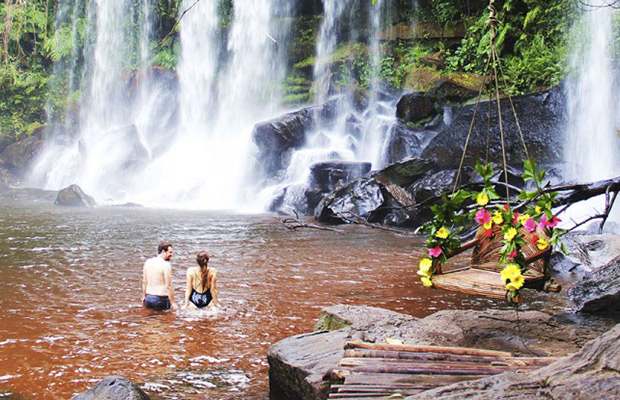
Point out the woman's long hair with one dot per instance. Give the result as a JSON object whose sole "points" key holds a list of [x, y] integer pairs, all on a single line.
{"points": [[202, 259]]}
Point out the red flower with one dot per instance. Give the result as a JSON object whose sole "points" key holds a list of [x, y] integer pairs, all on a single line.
{"points": [[488, 233], [535, 239], [513, 254]]}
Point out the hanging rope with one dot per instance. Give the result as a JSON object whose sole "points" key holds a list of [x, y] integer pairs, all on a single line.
{"points": [[494, 61]]}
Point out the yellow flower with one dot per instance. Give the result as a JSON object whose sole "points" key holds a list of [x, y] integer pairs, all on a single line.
{"points": [[510, 234], [426, 281], [538, 210], [542, 244], [488, 225], [497, 218], [442, 233], [482, 199], [523, 218], [425, 267], [510, 271]]}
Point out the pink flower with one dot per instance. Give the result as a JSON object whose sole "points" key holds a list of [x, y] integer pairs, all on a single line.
{"points": [[435, 251], [515, 218], [530, 225], [482, 216], [554, 221], [506, 207]]}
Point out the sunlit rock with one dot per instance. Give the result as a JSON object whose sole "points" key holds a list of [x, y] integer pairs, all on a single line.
{"points": [[74, 196]]}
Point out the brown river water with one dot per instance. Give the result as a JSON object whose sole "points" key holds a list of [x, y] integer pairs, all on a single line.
{"points": [[70, 295]]}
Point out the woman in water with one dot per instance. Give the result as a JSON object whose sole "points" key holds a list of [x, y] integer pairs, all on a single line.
{"points": [[201, 290]]}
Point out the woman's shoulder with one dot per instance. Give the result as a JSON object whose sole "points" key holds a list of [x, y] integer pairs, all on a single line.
{"points": [[192, 270]]}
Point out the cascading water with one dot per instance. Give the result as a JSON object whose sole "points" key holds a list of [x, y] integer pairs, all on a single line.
{"points": [[107, 141], [593, 147], [137, 141], [358, 132]]}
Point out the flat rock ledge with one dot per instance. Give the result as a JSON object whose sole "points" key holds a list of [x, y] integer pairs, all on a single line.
{"points": [[297, 365]]}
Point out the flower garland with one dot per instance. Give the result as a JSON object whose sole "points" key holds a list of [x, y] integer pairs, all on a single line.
{"points": [[537, 214]]}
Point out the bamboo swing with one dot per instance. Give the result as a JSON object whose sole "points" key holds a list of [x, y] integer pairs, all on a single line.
{"points": [[482, 275]]}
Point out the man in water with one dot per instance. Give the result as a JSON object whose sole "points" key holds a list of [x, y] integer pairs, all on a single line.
{"points": [[157, 290]]}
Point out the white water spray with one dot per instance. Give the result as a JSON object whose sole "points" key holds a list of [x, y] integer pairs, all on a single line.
{"points": [[593, 148]]}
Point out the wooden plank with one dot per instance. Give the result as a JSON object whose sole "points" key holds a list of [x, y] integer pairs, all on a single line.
{"points": [[408, 355], [418, 369], [445, 365], [427, 349], [421, 381]]}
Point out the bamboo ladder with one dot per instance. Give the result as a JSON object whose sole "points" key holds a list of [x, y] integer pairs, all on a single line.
{"points": [[482, 275]]}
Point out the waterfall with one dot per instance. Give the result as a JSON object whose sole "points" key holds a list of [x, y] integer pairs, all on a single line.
{"points": [[593, 149], [142, 140], [359, 131]]}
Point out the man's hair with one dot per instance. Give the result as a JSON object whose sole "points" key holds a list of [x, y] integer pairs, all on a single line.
{"points": [[163, 246]]}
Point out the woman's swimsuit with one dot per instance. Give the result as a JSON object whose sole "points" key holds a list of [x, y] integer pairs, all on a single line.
{"points": [[159, 303], [201, 300]]}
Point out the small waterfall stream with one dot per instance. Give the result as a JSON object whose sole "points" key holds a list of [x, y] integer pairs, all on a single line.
{"points": [[359, 131]]}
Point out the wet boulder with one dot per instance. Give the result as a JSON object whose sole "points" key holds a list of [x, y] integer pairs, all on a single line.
{"points": [[405, 172], [355, 200], [415, 107], [404, 142], [274, 138], [542, 118], [599, 292], [328, 175], [74, 196], [113, 388], [436, 182], [446, 91]]}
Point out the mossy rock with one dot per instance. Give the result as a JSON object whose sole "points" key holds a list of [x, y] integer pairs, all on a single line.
{"points": [[421, 79], [330, 322]]}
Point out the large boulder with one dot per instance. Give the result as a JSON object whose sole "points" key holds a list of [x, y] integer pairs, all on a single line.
{"points": [[274, 138], [591, 373], [600, 290], [542, 119], [74, 196], [359, 198], [113, 388]]}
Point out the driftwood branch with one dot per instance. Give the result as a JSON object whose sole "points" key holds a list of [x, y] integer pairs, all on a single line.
{"points": [[295, 223], [359, 220]]}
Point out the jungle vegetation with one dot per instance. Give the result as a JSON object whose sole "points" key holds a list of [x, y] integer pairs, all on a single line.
{"points": [[532, 38]]}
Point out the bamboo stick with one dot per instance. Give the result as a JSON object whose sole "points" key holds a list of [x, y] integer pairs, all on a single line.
{"points": [[408, 355], [426, 349], [507, 364]]}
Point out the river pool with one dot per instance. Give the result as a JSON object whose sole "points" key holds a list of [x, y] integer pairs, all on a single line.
{"points": [[70, 295]]}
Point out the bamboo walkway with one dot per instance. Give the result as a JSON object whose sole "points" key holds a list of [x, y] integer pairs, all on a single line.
{"points": [[376, 371]]}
